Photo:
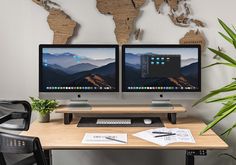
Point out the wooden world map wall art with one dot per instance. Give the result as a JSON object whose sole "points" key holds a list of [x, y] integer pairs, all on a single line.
{"points": [[59, 22], [194, 37], [125, 13]]}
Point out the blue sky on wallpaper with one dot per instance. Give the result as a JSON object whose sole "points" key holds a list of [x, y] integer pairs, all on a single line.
{"points": [[66, 57], [93, 53]]}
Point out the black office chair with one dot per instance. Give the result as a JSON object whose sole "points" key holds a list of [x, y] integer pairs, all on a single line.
{"points": [[12, 117]]}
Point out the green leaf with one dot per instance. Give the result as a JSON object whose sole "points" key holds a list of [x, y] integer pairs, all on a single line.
{"points": [[226, 38], [219, 63], [229, 31], [225, 108], [226, 154], [227, 88], [223, 55], [217, 120], [231, 97], [234, 28], [43, 106], [205, 98], [228, 131]]}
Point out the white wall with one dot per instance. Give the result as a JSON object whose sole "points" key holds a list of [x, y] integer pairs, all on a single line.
{"points": [[23, 26]]}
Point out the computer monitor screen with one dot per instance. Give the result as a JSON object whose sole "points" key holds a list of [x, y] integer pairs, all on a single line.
{"points": [[161, 68], [78, 68]]}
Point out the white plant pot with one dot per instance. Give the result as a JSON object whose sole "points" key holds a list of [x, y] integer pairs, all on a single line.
{"points": [[44, 118]]}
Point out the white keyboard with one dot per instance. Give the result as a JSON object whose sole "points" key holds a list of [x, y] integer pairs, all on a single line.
{"points": [[113, 121]]}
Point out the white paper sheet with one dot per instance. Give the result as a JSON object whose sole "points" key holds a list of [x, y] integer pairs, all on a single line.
{"points": [[182, 135], [101, 138]]}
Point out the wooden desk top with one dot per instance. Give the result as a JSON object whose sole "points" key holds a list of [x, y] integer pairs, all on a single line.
{"points": [[127, 109], [56, 135]]}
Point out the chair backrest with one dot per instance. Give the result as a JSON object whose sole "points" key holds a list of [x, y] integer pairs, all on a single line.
{"points": [[15, 144], [15, 115], [14, 118]]}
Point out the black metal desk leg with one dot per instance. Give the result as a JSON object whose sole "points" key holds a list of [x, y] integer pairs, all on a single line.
{"points": [[191, 153], [172, 117], [68, 118], [2, 160], [189, 160], [48, 156]]}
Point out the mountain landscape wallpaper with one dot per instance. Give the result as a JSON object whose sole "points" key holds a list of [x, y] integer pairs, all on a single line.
{"points": [[189, 69], [86, 69]]}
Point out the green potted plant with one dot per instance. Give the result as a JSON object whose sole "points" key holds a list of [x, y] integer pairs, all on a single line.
{"points": [[228, 100], [43, 107]]}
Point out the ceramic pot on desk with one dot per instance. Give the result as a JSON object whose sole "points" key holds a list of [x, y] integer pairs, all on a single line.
{"points": [[44, 118]]}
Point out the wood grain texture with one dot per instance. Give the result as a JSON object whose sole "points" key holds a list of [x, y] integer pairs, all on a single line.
{"points": [[59, 22], [181, 20], [62, 26], [173, 4], [198, 22], [39, 2], [56, 135], [124, 14], [124, 109], [194, 37]]}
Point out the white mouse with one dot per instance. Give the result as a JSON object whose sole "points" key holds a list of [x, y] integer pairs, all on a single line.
{"points": [[147, 121]]}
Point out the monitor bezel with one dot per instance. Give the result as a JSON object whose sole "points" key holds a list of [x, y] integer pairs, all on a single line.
{"points": [[115, 46], [160, 46]]}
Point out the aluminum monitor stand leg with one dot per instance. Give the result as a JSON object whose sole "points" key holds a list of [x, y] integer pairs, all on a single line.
{"points": [[165, 104], [82, 104]]}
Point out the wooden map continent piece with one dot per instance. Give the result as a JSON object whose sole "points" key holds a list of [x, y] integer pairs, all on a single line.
{"points": [[158, 4], [193, 37], [124, 13], [59, 22], [172, 3], [182, 19], [198, 22], [62, 26], [138, 34]]}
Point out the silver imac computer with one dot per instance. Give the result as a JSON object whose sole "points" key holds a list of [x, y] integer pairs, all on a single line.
{"points": [[161, 72], [78, 72]]}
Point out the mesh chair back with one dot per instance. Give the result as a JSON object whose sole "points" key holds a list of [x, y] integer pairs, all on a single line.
{"points": [[15, 115], [15, 144]]}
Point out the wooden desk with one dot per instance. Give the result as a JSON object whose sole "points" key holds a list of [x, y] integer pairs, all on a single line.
{"points": [[57, 136]]}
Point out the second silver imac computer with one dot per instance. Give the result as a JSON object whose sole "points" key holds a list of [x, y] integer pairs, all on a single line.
{"points": [[161, 72]]}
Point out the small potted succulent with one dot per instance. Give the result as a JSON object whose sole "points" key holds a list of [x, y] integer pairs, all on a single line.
{"points": [[43, 107]]}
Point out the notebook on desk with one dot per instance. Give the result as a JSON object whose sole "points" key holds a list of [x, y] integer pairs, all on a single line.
{"points": [[105, 138]]}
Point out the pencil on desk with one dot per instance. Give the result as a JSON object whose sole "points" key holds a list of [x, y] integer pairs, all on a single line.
{"points": [[164, 135], [115, 140]]}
